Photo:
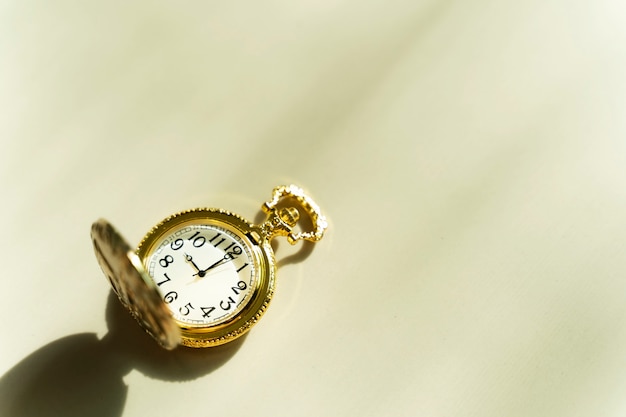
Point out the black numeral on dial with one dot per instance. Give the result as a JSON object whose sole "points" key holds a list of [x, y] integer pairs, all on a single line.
{"points": [[164, 281], [165, 262], [197, 240], [177, 244], [227, 304], [170, 297], [219, 242], [186, 309], [206, 311], [240, 287]]}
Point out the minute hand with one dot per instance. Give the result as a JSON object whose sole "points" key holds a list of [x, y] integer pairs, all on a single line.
{"points": [[226, 258]]}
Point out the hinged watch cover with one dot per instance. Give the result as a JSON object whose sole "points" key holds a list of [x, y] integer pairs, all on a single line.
{"points": [[132, 285]]}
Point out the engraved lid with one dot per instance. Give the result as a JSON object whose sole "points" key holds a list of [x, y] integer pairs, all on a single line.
{"points": [[132, 284]]}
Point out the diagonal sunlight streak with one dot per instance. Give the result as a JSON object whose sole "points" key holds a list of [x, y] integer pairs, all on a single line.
{"points": [[335, 94]]}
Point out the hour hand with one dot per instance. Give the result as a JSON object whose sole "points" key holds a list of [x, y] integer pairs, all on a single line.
{"points": [[190, 261]]}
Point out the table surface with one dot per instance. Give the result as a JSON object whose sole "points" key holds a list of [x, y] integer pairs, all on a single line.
{"points": [[470, 157]]}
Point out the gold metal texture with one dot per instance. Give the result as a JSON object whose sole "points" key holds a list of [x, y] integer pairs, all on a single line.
{"points": [[132, 285], [276, 217], [264, 263]]}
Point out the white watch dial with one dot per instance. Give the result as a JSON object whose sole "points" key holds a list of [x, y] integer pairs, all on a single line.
{"points": [[205, 273]]}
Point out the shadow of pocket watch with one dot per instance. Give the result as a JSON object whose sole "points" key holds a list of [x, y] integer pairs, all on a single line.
{"points": [[203, 277]]}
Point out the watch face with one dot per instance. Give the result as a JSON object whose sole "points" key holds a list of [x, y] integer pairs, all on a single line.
{"points": [[205, 272]]}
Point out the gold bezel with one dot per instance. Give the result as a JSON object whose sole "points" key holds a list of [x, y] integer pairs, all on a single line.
{"points": [[199, 336]]}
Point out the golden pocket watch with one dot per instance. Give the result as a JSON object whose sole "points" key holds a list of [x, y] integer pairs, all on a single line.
{"points": [[203, 277]]}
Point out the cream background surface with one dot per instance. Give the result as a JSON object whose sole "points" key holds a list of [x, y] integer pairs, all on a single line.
{"points": [[470, 157]]}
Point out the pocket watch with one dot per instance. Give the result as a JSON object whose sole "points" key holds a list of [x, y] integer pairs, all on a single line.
{"points": [[203, 277]]}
